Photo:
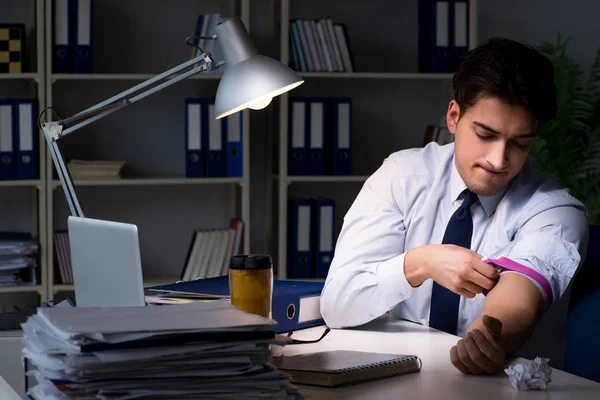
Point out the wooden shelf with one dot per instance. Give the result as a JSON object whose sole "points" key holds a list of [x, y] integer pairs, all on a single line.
{"points": [[154, 182], [326, 179], [213, 76], [375, 75], [21, 289], [28, 75], [20, 183], [124, 77], [63, 288]]}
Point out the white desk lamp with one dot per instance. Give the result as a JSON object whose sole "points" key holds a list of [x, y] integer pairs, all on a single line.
{"points": [[250, 80]]}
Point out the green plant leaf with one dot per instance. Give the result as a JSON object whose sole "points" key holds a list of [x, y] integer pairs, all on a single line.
{"points": [[568, 146]]}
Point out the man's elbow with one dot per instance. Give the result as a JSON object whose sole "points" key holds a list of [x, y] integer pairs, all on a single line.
{"points": [[342, 306], [333, 313]]}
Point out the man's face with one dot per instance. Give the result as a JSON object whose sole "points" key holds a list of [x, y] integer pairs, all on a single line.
{"points": [[492, 141]]}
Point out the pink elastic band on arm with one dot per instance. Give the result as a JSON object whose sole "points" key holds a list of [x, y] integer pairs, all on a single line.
{"points": [[511, 265]]}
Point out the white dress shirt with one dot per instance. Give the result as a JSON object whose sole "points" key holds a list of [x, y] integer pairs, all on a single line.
{"points": [[407, 203]]}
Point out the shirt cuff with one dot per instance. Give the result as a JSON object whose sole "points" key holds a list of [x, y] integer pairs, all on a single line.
{"points": [[392, 282]]}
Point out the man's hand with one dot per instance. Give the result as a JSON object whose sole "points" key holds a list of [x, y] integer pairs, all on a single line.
{"points": [[482, 350], [454, 267]]}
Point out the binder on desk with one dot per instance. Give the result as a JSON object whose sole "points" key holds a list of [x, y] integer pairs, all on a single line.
{"points": [[62, 50], [295, 304], [298, 129], [435, 27], [316, 156], [194, 158], [234, 152], [7, 146], [323, 237], [83, 38], [300, 247], [341, 160], [26, 142], [213, 131]]}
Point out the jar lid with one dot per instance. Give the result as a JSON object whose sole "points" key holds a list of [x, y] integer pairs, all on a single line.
{"points": [[251, 261]]}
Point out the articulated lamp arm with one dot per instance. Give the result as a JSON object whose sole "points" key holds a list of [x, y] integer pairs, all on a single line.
{"points": [[56, 130], [251, 80]]}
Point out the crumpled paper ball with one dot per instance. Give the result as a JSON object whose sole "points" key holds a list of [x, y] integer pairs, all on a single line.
{"points": [[530, 375]]}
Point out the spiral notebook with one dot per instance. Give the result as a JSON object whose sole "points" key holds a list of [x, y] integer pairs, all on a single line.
{"points": [[345, 367]]}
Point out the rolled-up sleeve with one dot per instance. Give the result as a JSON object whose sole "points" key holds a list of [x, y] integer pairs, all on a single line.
{"points": [[366, 278], [552, 240]]}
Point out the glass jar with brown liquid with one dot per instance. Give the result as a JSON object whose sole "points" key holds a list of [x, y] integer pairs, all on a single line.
{"points": [[251, 283]]}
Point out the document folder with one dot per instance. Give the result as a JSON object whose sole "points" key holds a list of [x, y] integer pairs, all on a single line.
{"points": [[341, 160], [316, 141], [213, 131], [62, 61], [298, 137], [84, 38], [435, 41], [295, 305], [300, 246], [26, 142], [233, 147], [7, 137], [324, 234], [194, 148]]}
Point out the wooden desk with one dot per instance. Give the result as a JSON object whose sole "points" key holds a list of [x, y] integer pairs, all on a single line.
{"points": [[11, 365], [438, 378], [7, 392]]}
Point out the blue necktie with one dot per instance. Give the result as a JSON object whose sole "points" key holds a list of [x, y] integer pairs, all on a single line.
{"points": [[444, 303]]}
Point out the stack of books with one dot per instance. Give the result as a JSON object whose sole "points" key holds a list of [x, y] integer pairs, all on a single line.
{"points": [[320, 46], [19, 254], [63, 271], [211, 250], [208, 350], [92, 170]]}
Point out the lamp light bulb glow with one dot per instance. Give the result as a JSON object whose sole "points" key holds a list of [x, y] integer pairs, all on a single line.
{"points": [[260, 103]]}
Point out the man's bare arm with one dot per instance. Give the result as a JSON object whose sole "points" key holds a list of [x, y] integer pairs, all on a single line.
{"points": [[518, 304]]}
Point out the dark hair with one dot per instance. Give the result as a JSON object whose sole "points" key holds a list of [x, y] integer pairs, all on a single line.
{"points": [[510, 71]]}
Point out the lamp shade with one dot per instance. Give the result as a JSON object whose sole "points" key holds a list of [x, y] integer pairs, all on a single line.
{"points": [[250, 79]]}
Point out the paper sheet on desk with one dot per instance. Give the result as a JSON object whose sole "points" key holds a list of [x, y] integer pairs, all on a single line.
{"points": [[262, 377], [264, 384], [196, 350], [118, 324]]}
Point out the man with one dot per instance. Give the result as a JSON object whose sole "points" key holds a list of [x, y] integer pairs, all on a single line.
{"points": [[413, 241]]}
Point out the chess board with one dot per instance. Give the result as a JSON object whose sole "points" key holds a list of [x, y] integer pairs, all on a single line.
{"points": [[12, 47]]}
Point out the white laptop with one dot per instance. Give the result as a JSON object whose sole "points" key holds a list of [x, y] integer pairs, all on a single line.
{"points": [[106, 262]]}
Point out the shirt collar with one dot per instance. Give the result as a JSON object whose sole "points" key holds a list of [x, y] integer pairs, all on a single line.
{"points": [[457, 186]]}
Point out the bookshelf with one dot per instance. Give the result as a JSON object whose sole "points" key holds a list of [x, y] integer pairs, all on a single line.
{"points": [[375, 75], [124, 77], [153, 192], [392, 101], [23, 76], [155, 182], [24, 201]]}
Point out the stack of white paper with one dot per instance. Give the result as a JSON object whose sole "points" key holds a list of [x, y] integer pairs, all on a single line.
{"points": [[206, 350]]}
